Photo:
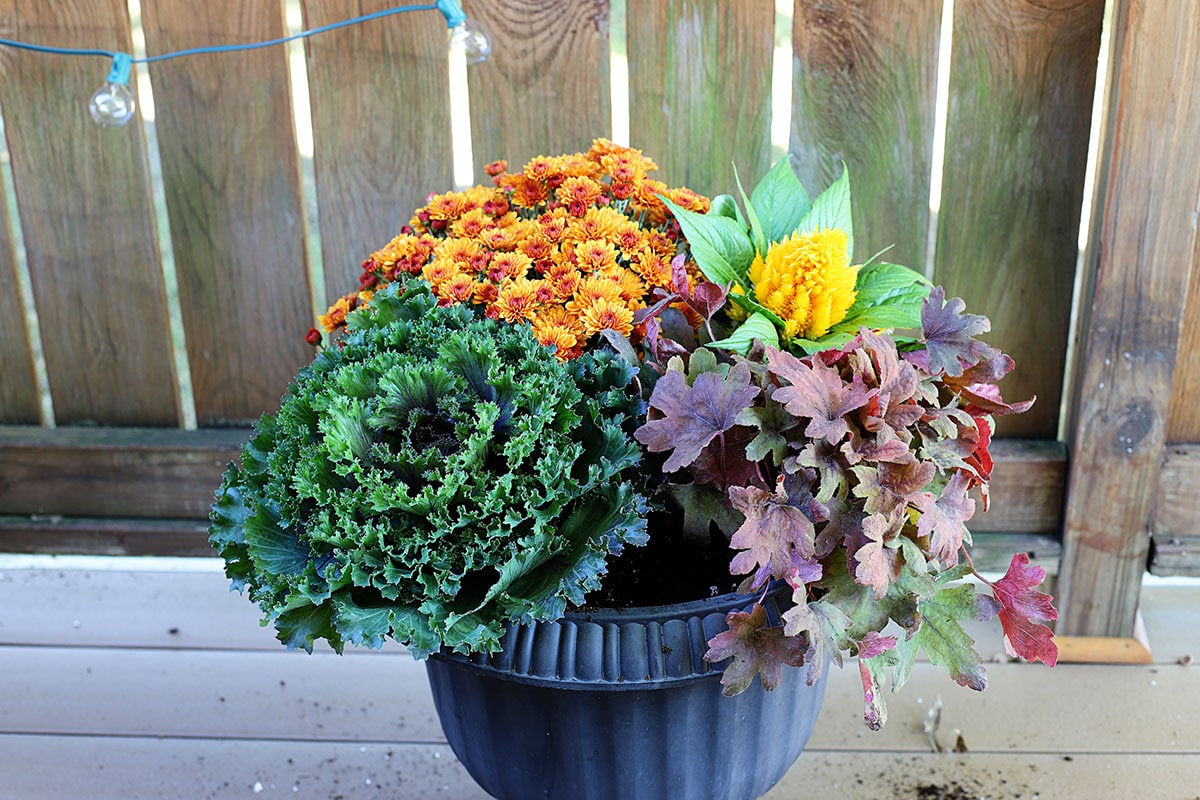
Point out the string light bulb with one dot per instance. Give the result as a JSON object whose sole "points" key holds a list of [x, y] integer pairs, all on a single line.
{"points": [[112, 105], [466, 35]]}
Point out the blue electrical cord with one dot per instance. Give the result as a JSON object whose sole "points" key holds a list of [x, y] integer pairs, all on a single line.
{"points": [[451, 9]]}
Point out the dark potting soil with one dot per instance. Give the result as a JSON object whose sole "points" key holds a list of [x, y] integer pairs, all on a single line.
{"points": [[669, 568]]}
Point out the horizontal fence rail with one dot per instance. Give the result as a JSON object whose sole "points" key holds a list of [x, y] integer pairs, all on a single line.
{"points": [[983, 191]]}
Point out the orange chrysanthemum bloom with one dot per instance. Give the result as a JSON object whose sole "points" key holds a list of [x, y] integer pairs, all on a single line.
{"points": [[516, 300], [600, 223], [440, 271], [458, 289], [573, 244], [471, 224], [807, 280], [607, 314], [506, 266], [579, 192], [595, 255], [444, 206]]}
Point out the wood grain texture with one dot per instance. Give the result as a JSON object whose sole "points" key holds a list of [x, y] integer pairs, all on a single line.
{"points": [[19, 401], [232, 183], [1021, 87], [1145, 252], [1183, 419], [1027, 488], [863, 87], [381, 127], [545, 89], [84, 198], [105, 536], [1175, 526], [700, 89], [124, 472]]}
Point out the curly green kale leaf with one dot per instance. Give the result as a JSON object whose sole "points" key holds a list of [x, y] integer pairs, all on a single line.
{"points": [[431, 478]]}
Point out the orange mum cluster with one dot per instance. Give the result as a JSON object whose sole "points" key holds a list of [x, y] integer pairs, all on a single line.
{"points": [[571, 244]]}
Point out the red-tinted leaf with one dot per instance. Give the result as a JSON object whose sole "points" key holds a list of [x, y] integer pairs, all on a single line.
{"points": [[942, 518], [818, 394], [692, 416], [897, 378], [980, 461], [754, 649], [984, 398], [1024, 612], [948, 334], [775, 539], [874, 643]]}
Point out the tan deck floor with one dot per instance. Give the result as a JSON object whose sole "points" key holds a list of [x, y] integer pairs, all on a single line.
{"points": [[120, 683]]}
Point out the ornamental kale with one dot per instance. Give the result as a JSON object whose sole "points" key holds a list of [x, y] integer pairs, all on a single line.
{"points": [[429, 479]]}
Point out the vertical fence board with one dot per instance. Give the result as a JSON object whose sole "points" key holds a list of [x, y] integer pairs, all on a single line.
{"points": [[1183, 420], [864, 86], [19, 403], [700, 89], [83, 193], [1021, 87], [1145, 248], [381, 127], [545, 88], [232, 182]]}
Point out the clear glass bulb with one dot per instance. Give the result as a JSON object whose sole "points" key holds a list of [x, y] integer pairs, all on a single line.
{"points": [[112, 105], [471, 37]]}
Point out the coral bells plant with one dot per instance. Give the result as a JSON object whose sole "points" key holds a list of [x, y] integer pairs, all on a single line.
{"points": [[538, 373]]}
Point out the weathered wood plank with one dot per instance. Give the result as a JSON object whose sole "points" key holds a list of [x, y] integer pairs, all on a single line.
{"points": [[545, 88], [19, 401], [864, 85], [83, 194], [66, 767], [232, 183], [1146, 246], [113, 471], [1026, 488], [104, 536], [700, 89], [1067, 773], [1021, 87], [108, 768], [1183, 418], [381, 128], [149, 473], [102, 768], [1175, 525], [219, 694]]}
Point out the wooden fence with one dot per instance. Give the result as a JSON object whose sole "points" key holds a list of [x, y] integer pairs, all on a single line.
{"points": [[118, 473]]}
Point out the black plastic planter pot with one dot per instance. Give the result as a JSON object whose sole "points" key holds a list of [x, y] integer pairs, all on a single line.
{"points": [[620, 705]]}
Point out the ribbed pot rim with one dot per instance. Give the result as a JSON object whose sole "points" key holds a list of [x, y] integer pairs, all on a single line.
{"points": [[649, 647]]}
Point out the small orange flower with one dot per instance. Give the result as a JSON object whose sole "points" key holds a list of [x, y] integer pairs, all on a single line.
{"points": [[506, 266], [517, 300], [458, 289], [554, 224], [579, 192], [471, 224], [607, 314], [653, 268], [600, 223], [594, 255], [445, 206], [440, 271]]}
